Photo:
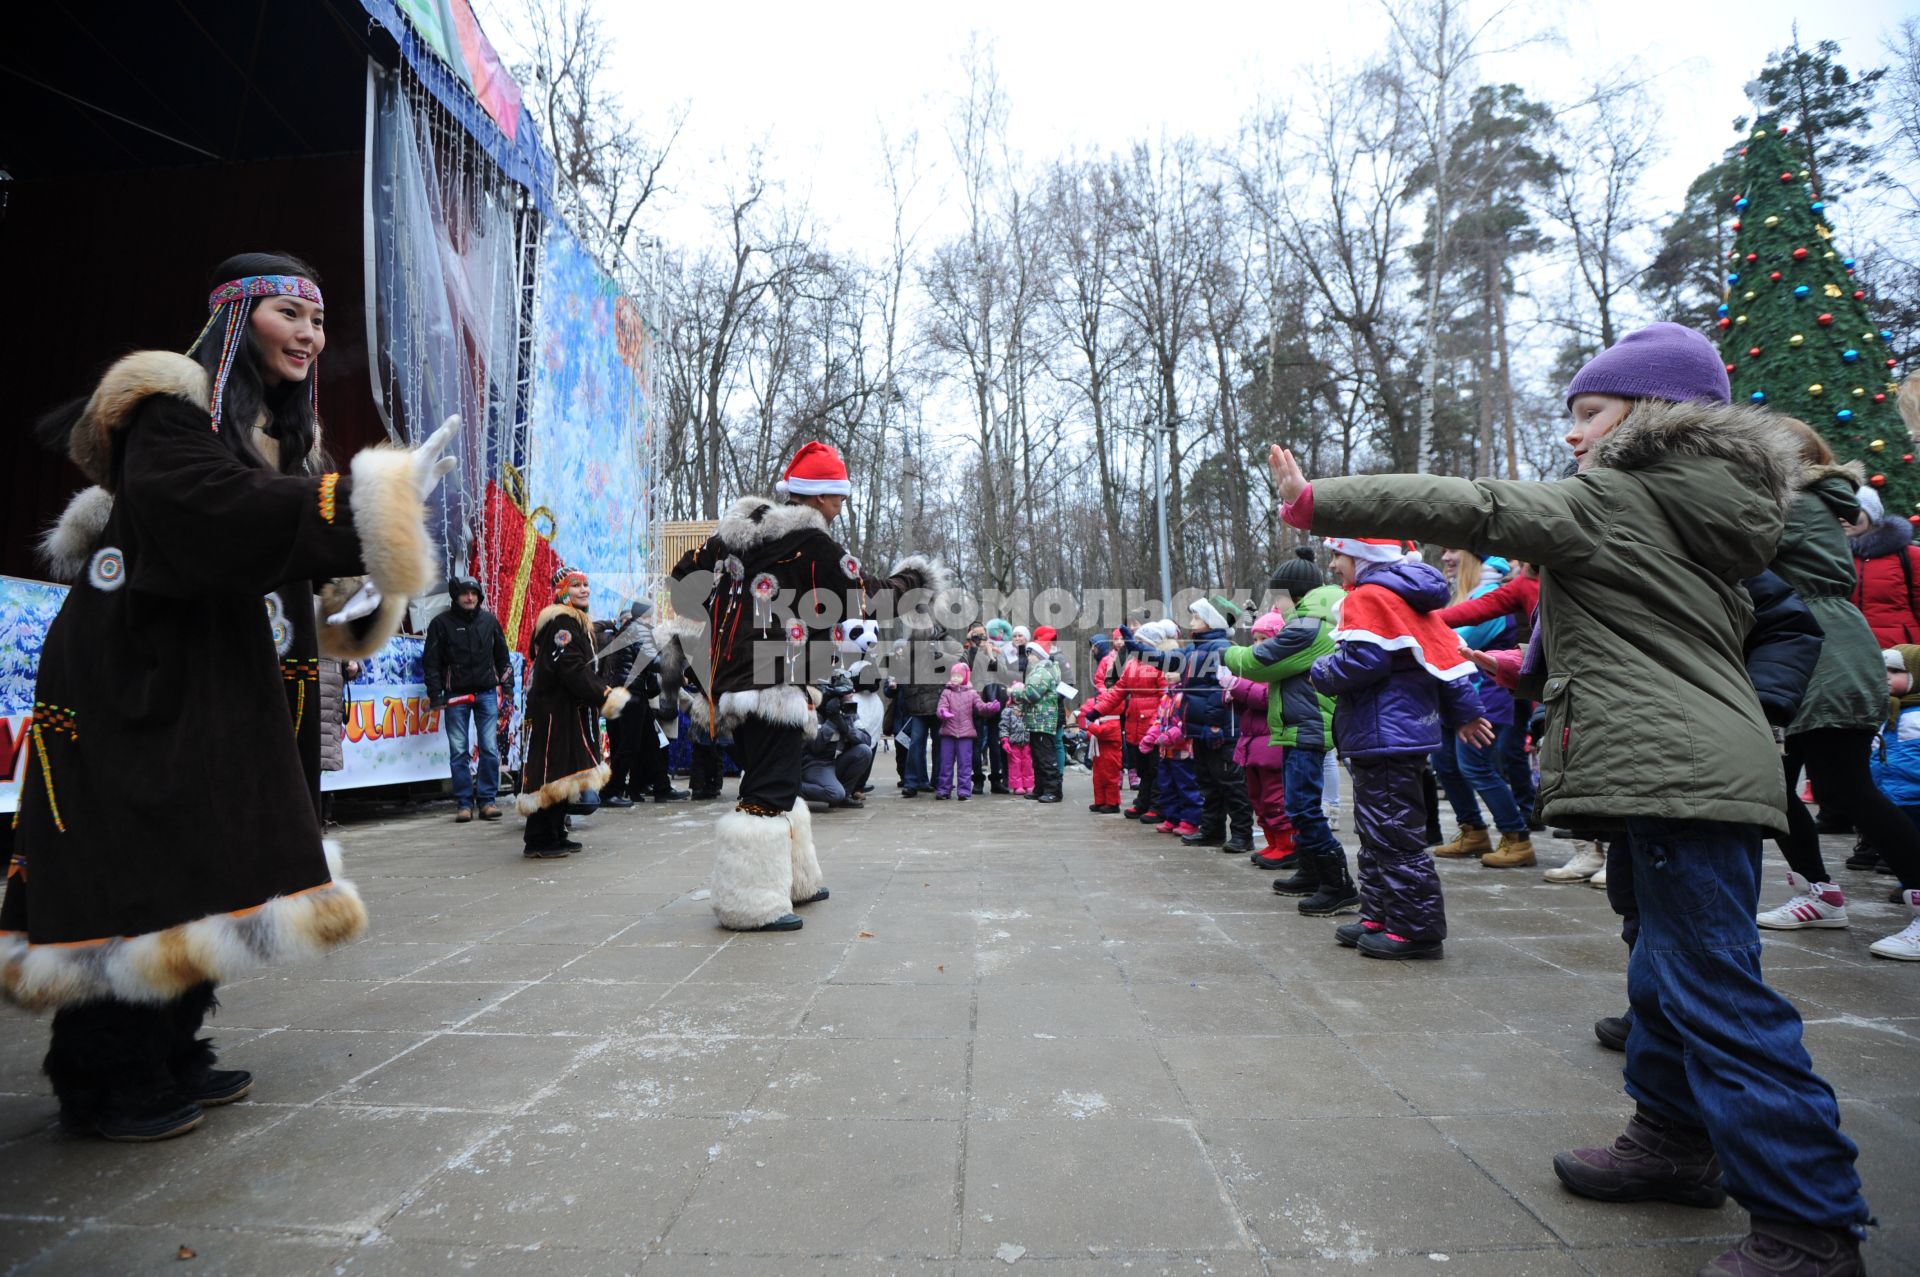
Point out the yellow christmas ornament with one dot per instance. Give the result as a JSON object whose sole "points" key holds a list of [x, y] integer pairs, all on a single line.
{"points": [[1824, 232], [1758, 133], [1772, 222], [1803, 172], [1827, 256], [1833, 290], [1739, 319], [1878, 445], [1816, 389], [1795, 340], [1749, 297], [1860, 392]]}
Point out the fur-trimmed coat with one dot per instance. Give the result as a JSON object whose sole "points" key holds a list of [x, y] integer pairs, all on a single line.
{"points": [[565, 702], [1639, 656], [1849, 686], [766, 559], [169, 827]]}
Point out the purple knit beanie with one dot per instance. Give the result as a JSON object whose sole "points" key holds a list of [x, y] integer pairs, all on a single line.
{"points": [[1660, 361]]}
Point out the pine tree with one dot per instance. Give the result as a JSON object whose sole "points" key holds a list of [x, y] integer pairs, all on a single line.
{"points": [[1795, 330]]}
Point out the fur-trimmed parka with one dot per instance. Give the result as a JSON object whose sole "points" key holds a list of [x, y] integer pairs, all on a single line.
{"points": [[169, 828], [766, 559], [1642, 616], [565, 702], [1849, 685]]}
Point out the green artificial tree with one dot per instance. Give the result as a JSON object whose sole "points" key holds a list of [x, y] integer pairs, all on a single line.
{"points": [[1794, 329]]}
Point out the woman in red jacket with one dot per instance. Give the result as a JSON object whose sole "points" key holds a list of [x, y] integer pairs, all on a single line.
{"points": [[1885, 565]]}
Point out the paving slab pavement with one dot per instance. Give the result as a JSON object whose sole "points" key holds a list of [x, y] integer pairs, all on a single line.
{"points": [[1017, 1036]]}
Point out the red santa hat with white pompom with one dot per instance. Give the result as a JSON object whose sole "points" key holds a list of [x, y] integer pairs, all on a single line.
{"points": [[815, 471]]}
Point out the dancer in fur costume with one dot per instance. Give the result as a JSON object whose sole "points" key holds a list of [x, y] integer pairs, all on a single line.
{"points": [[565, 703], [779, 583], [169, 828]]}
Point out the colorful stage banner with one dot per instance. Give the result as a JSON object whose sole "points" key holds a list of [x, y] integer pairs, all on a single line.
{"points": [[590, 435]]}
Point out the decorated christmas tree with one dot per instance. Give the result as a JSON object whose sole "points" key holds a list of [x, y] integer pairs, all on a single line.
{"points": [[1795, 330]]}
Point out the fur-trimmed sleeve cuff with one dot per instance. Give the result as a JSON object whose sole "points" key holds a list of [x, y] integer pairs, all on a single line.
{"points": [[923, 572], [390, 521], [617, 698]]}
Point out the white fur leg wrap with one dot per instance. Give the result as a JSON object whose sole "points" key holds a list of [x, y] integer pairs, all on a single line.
{"points": [[752, 870], [807, 878]]}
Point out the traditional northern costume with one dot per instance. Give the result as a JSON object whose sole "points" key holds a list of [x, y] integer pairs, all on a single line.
{"points": [[565, 703], [767, 558], [169, 833]]}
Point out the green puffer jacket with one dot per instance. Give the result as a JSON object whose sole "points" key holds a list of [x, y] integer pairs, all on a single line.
{"points": [[1849, 687], [1039, 707], [1642, 615], [1298, 715]]}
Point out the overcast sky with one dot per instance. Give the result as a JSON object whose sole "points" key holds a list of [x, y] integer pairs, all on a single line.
{"points": [[813, 83]]}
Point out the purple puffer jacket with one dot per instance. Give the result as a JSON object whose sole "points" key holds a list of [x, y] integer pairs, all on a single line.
{"points": [[1254, 747], [1385, 702], [958, 706]]}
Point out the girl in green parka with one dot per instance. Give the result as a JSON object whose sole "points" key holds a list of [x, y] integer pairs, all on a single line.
{"points": [[1301, 720], [1654, 729]]}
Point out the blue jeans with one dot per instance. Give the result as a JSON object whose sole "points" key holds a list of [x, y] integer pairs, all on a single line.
{"points": [[1303, 773], [1454, 786], [1514, 763], [916, 775], [1485, 770], [1711, 1044], [483, 716]]}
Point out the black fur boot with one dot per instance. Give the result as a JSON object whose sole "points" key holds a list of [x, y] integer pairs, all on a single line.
{"points": [[191, 1058], [108, 1063]]}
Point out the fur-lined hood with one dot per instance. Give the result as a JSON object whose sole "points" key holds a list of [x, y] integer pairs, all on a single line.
{"points": [[1890, 534], [753, 521], [1748, 437], [131, 379]]}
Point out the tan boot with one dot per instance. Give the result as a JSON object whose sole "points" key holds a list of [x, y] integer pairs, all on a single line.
{"points": [[1514, 852], [1470, 841]]}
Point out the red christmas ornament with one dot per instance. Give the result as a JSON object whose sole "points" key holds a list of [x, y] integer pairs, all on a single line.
{"points": [[1725, 322], [1859, 294], [1729, 367], [1736, 223], [1775, 277], [1825, 320], [1878, 481], [1914, 519], [1786, 177], [1754, 353], [1907, 457], [1752, 258], [1743, 152], [1737, 199], [1799, 254]]}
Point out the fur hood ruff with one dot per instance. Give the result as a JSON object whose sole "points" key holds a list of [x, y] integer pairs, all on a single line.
{"points": [[753, 521], [1749, 437]]}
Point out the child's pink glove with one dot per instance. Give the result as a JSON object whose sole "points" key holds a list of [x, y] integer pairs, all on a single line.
{"points": [[946, 713]]}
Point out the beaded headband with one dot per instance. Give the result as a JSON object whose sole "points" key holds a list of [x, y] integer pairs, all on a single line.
{"points": [[565, 579], [239, 295]]}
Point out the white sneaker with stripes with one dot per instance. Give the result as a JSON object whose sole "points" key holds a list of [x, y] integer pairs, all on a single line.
{"points": [[1813, 905], [1903, 946]]}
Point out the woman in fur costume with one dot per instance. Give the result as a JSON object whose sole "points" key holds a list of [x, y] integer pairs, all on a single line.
{"points": [[767, 559], [565, 703], [169, 831]]}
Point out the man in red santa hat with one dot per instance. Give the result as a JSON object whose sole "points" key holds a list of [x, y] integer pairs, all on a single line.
{"points": [[778, 583]]}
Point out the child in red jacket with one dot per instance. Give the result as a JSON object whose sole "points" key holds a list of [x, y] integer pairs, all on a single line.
{"points": [[1104, 736]]}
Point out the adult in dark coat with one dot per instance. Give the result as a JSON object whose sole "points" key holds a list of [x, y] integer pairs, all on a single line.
{"points": [[775, 585], [630, 658], [465, 655], [566, 700], [169, 833]]}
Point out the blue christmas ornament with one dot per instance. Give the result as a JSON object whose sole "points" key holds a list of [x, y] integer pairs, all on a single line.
{"points": [[1819, 206], [1844, 415], [1800, 291], [1733, 278], [1851, 356], [1741, 202], [1758, 396], [1723, 310], [1847, 262], [1886, 334]]}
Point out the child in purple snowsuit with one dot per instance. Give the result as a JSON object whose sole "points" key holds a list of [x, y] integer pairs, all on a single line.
{"points": [[959, 705], [1400, 683]]}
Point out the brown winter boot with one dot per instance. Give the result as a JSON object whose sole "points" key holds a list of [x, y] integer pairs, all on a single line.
{"points": [[1470, 841], [1514, 852]]}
